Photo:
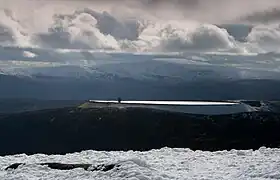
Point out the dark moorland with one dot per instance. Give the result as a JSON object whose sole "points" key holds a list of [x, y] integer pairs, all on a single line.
{"points": [[72, 129]]}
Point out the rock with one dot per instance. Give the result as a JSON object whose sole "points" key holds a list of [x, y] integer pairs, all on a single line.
{"points": [[61, 166]]}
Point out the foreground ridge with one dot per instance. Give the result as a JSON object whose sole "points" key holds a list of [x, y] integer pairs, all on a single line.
{"points": [[66, 130]]}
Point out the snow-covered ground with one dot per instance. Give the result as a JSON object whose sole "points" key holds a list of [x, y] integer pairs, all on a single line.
{"points": [[165, 163], [194, 107]]}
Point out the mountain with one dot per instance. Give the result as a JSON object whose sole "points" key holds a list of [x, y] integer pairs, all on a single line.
{"points": [[48, 88]]}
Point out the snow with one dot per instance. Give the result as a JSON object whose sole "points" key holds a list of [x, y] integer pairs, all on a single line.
{"points": [[165, 163], [184, 66], [191, 103], [193, 107], [28, 54]]}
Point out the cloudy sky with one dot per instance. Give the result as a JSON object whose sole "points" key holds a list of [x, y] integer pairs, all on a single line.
{"points": [[204, 10], [213, 11]]}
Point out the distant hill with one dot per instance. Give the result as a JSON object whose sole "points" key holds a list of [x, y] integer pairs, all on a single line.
{"points": [[20, 105], [129, 88]]}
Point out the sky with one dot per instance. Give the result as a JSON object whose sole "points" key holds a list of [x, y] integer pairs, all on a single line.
{"points": [[212, 11]]}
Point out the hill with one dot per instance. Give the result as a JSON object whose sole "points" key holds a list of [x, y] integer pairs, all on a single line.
{"points": [[15, 105], [67, 130]]}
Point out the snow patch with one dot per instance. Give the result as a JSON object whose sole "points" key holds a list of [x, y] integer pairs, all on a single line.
{"points": [[28, 54]]}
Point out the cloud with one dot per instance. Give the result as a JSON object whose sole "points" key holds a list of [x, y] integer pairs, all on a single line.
{"points": [[213, 11], [141, 25], [269, 16]]}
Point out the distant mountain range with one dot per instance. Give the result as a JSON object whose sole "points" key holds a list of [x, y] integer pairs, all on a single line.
{"points": [[54, 88]]}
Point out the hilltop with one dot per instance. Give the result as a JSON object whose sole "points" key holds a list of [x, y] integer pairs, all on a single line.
{"points": [[72, 129]]}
